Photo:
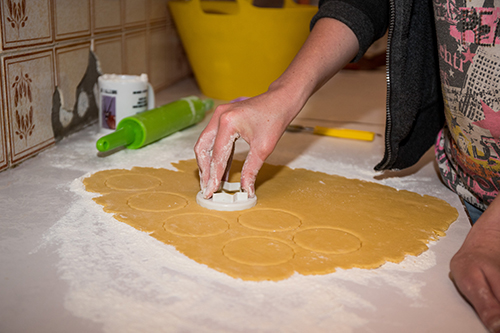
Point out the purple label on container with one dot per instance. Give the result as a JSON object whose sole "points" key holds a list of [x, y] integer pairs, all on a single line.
{"points": [[108, 112]]}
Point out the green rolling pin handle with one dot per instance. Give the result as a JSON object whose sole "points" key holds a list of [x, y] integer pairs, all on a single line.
{"points": [[208, 104], [146, 127], [122, 137]]}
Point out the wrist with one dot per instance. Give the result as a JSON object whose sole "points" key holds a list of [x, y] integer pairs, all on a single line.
{"points": [[490, 219], [292, 93]]}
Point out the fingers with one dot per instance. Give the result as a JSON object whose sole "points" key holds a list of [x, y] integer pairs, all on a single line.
{"points": [[205, 145], [203, 151], [479, 284], [249, 173], [220, 156], [213, 165], [228, 166], [486, 304], [215, 146]]}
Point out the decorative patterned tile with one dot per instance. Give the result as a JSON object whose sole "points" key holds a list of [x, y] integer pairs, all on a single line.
{"points": [[135, 12], [71, 65], [66, 23], [3, 137], [136, 53], [106, 15], [29, 83], [157, 10], [25, 23], [109, 54], [45, 44]]}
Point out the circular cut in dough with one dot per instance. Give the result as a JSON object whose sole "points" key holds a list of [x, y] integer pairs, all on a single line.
{"points": [[157, 201], [196, 225], [259, 251], [131, 182], [269, 220], [327, 240]]}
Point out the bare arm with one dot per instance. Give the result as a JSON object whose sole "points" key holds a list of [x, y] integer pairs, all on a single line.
{"points": [[261, 120], [475, 268]]}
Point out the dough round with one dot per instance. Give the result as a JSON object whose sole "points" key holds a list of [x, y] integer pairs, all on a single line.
{"points": [[196, 225], [131, 181], [269, 220], [157, 201], [258, 251], [327, 240]]}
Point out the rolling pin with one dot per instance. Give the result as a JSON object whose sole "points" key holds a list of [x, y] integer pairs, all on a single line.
{"points": [[149, 126]]}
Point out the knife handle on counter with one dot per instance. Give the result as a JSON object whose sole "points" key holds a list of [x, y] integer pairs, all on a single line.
{"points": [[344, 133]]}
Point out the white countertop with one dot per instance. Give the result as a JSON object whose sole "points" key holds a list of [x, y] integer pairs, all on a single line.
{"points": [[66, 266]]}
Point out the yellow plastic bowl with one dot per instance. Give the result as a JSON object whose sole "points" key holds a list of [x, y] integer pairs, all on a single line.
{"points": [[237, 49]]}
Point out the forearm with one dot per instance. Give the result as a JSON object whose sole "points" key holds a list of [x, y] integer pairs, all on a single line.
{"points": [[329, 47]]}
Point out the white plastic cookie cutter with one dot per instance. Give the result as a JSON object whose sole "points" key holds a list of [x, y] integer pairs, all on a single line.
{"points": [[230, 198]]}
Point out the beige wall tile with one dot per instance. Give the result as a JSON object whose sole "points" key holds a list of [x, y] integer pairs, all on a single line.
{"points": [[167, 60], [157, 57], [71, 18], [176, 62], [25, 23], [71, 64], [106, 15], [135, 12], [136, 53], [157, 10], [29, 82], [109, 54]]}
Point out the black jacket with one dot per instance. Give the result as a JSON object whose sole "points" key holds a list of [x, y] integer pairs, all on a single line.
{"points": [[414, 98]]}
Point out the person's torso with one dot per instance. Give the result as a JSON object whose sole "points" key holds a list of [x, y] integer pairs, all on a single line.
{"points": [[469, 54]]}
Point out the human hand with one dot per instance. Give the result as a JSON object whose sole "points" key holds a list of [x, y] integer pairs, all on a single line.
{"points": [[475, 269], [260, 121]]}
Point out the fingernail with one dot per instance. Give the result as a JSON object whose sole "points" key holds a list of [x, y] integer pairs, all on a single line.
{"points": [[205, 193], [208, 191], [251, 191]]}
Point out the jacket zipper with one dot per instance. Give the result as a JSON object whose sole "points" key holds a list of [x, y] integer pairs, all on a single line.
{"points": [[388, 124]]}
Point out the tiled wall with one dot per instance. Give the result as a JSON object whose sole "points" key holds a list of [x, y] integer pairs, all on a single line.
{"points": [[52, 52]]}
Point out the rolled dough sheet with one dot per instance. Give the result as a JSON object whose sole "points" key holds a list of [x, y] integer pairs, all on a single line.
{"points": [[304, 221]]}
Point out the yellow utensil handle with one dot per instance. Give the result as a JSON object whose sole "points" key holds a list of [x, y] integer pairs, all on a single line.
{"points": [[345, 133]]}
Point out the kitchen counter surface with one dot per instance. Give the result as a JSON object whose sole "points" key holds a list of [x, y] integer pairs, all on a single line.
{"points": [[66, 266]]}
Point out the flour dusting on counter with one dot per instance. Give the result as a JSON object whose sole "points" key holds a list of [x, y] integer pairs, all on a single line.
{"points": [[130, 282]]}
